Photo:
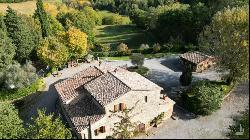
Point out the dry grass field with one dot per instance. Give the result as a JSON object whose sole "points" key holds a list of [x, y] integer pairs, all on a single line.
{"points": [[27, 7]]}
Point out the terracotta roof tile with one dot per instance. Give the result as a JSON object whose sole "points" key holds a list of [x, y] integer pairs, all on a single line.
{"points": [[106, 88], [69, 88], [82, 111], [195, 57]]}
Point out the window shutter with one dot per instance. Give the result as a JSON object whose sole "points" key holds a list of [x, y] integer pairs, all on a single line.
{"points": [[102, 129], [96, 132], [122, 106], [115, 108]]}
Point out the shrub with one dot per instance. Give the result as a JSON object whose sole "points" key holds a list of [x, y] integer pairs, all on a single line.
{"points": [[203, 98], [122, 48], [137, 59], [115, 19], [14, 94], [16, 76], [144, 47], [158, 119], [240, 121], [156, 47], [89, 58]]}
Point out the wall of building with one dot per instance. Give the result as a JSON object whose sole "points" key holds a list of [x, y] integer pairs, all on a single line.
{"points": [[144, 111]]}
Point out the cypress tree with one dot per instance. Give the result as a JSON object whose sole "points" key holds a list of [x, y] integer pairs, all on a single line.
{"points": [[43, 18], [20, 34], [2, 24]]}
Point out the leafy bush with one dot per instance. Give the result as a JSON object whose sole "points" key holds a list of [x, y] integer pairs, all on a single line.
{"points": [[156, 47], [243, 121], [15, 76], [22, 92], [115, 19], [158, 119], [11, 127], [203, 98], [123, 48], [144, 47], [137, 59]]}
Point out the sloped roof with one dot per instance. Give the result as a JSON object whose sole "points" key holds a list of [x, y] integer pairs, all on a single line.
{"points": [[70, 88], [103, 84], [135, 81], [195, 57], [83, 111], [106, 88]]}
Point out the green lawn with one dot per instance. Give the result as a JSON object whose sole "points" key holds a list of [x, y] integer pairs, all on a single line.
{"points": [[129, 34], [125, 58]]}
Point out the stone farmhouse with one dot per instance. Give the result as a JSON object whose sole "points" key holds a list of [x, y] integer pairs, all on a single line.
{"points": [[199, 61], [89, 98]]}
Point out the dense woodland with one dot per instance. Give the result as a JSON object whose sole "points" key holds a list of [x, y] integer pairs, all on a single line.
{"points": [[60, 32]]}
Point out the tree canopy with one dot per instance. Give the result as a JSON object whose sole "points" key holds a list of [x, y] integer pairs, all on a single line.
{"points": [[11, 126], [227, 38]]}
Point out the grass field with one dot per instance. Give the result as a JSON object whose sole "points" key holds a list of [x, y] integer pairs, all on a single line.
{"points": [[129, 34], [27, 7], [150, 56]]}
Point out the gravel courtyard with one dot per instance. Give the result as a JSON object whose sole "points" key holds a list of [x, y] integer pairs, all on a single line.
{"points": [[165, 72]]}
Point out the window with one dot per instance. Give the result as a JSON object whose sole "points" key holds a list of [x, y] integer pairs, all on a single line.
{"points": [[100, 130], [115, 108], [146, 99], [122, 106]]}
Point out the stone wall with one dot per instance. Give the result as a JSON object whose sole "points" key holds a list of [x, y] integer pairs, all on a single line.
{"points": [[144, 111]]}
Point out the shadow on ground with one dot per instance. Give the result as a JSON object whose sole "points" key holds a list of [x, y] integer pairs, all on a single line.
{"points": [[173, 63], [40, 100], [164, 79]]}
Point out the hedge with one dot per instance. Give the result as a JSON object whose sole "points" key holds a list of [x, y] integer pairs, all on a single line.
{"points": [[204, 97]]}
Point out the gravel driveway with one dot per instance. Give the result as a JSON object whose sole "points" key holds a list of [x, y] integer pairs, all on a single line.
{"points": [[165, 72], [214, 126]]}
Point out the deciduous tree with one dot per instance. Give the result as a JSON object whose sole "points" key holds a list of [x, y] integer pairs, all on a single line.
{"points": [[52, 52], [227, 38], [45, 127], [77, 42], [11, 126]]}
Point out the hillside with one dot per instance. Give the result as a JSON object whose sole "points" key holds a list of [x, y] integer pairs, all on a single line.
{"points": [[129, 34]]}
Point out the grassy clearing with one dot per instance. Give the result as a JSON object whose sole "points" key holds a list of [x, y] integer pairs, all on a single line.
{"points": [[129, 34], [126, 58], [27, 7]]}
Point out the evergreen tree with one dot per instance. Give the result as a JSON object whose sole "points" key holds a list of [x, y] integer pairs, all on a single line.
{"points": [[7, 49], [20, 34], [43, 18], [2, 24]]}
